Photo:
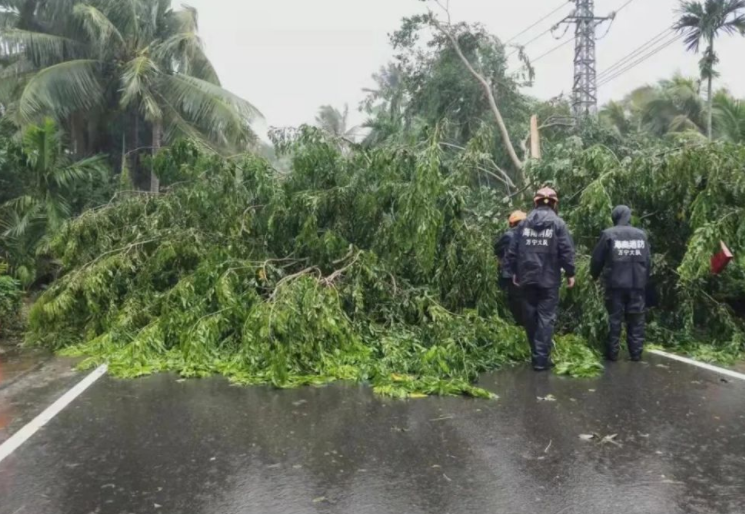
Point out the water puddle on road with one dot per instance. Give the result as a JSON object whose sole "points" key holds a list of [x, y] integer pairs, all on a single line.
{"points": [[15, 363]]}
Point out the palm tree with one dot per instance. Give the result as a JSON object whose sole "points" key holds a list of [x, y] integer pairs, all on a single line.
{"points": [[336, 123], [670, 106], [139, 58], [617, 116], [674, 105], [702, 21], [51, 180], [729, 117], [389, 93], [385, 105]]}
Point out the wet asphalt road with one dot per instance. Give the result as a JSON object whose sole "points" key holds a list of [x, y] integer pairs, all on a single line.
{"points": [[203, 447], [30, 382]]}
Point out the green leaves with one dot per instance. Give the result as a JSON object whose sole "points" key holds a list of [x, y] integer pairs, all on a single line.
{"points": [[138, 81], [373, 266], [141, 55], [574, 358], [10, 300], [39, 48], [99, 28], [60, 90], [218, 114], [285, 281], [51, 186], [688, 199]]}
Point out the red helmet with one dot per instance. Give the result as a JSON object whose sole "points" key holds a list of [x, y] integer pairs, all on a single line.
{"points": [[546, 196]]}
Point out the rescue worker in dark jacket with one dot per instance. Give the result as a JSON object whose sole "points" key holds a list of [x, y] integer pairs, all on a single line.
{"points": [[624, 258], [502, 245], [541, 249]]}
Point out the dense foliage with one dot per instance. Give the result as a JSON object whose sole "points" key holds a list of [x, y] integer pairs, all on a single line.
{"points": [[48, 188], [119, 76], [374, 266], [369, 262], [10, 301], [428, 83], [688, 199], [675, 107]]}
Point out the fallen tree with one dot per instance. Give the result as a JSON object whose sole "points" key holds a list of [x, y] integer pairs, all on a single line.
{"points": [[374, 266]]}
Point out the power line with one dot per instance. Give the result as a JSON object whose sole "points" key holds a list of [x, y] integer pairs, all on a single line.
{"points": [[624, 6], [641, 57], [552, 50], [539, 36], [613, 18], [646, 56], [634, 53], [538, 22]]}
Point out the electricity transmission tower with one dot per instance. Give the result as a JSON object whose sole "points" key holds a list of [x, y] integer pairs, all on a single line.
{"points": [[585, 90]]}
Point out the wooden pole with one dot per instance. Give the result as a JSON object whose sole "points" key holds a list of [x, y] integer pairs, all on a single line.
{"points": [[535, 138]]}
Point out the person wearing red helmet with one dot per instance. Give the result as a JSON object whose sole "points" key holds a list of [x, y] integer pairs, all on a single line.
{"points": [[501, 246], [541, 249]]}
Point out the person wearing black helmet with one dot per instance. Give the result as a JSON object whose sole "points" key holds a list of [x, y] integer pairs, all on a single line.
{"points": [[540, 250], [624, 258]]}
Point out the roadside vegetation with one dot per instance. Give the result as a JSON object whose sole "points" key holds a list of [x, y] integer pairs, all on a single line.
{"points": [[342, 253]]}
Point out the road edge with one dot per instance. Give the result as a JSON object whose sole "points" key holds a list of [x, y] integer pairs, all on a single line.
{"points": [[699, 364]]}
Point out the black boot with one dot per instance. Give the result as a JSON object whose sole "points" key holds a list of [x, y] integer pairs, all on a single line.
{"points": [[540, 366]]}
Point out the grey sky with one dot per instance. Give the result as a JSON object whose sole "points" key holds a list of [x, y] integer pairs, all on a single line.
{"points": [[289, 57]]}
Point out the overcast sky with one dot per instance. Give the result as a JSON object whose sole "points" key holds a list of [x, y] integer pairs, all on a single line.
{"points": [[288, 57]]}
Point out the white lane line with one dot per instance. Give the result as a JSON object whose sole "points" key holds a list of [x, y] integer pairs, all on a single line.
{"points": [[716, 369], [42, 419]]}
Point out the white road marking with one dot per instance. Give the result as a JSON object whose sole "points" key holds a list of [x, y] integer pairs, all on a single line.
{"points": [[716, 369], [20, 437]]}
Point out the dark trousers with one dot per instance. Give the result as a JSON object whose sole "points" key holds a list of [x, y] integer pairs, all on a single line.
{"points": [[539, 309], [628, 303], [515, 301]]}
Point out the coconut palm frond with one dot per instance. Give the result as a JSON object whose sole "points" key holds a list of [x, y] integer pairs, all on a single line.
{"points": [[40, 48], [101, 31], [61, 89]]}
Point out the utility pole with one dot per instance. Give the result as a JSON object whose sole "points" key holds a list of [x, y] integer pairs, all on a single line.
{"points": [[585, 90]]}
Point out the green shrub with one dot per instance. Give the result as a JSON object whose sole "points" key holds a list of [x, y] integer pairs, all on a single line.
{"points": [[10, 302]]}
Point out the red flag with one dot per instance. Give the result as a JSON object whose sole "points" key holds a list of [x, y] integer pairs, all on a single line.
{"points": [[721, 259]]}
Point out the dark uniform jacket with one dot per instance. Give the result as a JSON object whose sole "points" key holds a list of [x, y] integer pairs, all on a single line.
{"points": [[501, 247], [541, 248], [622, 255]]}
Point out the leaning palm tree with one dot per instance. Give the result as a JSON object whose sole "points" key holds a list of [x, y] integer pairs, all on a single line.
{"points": [[51, 179], [139, 56], [702, 21]]}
